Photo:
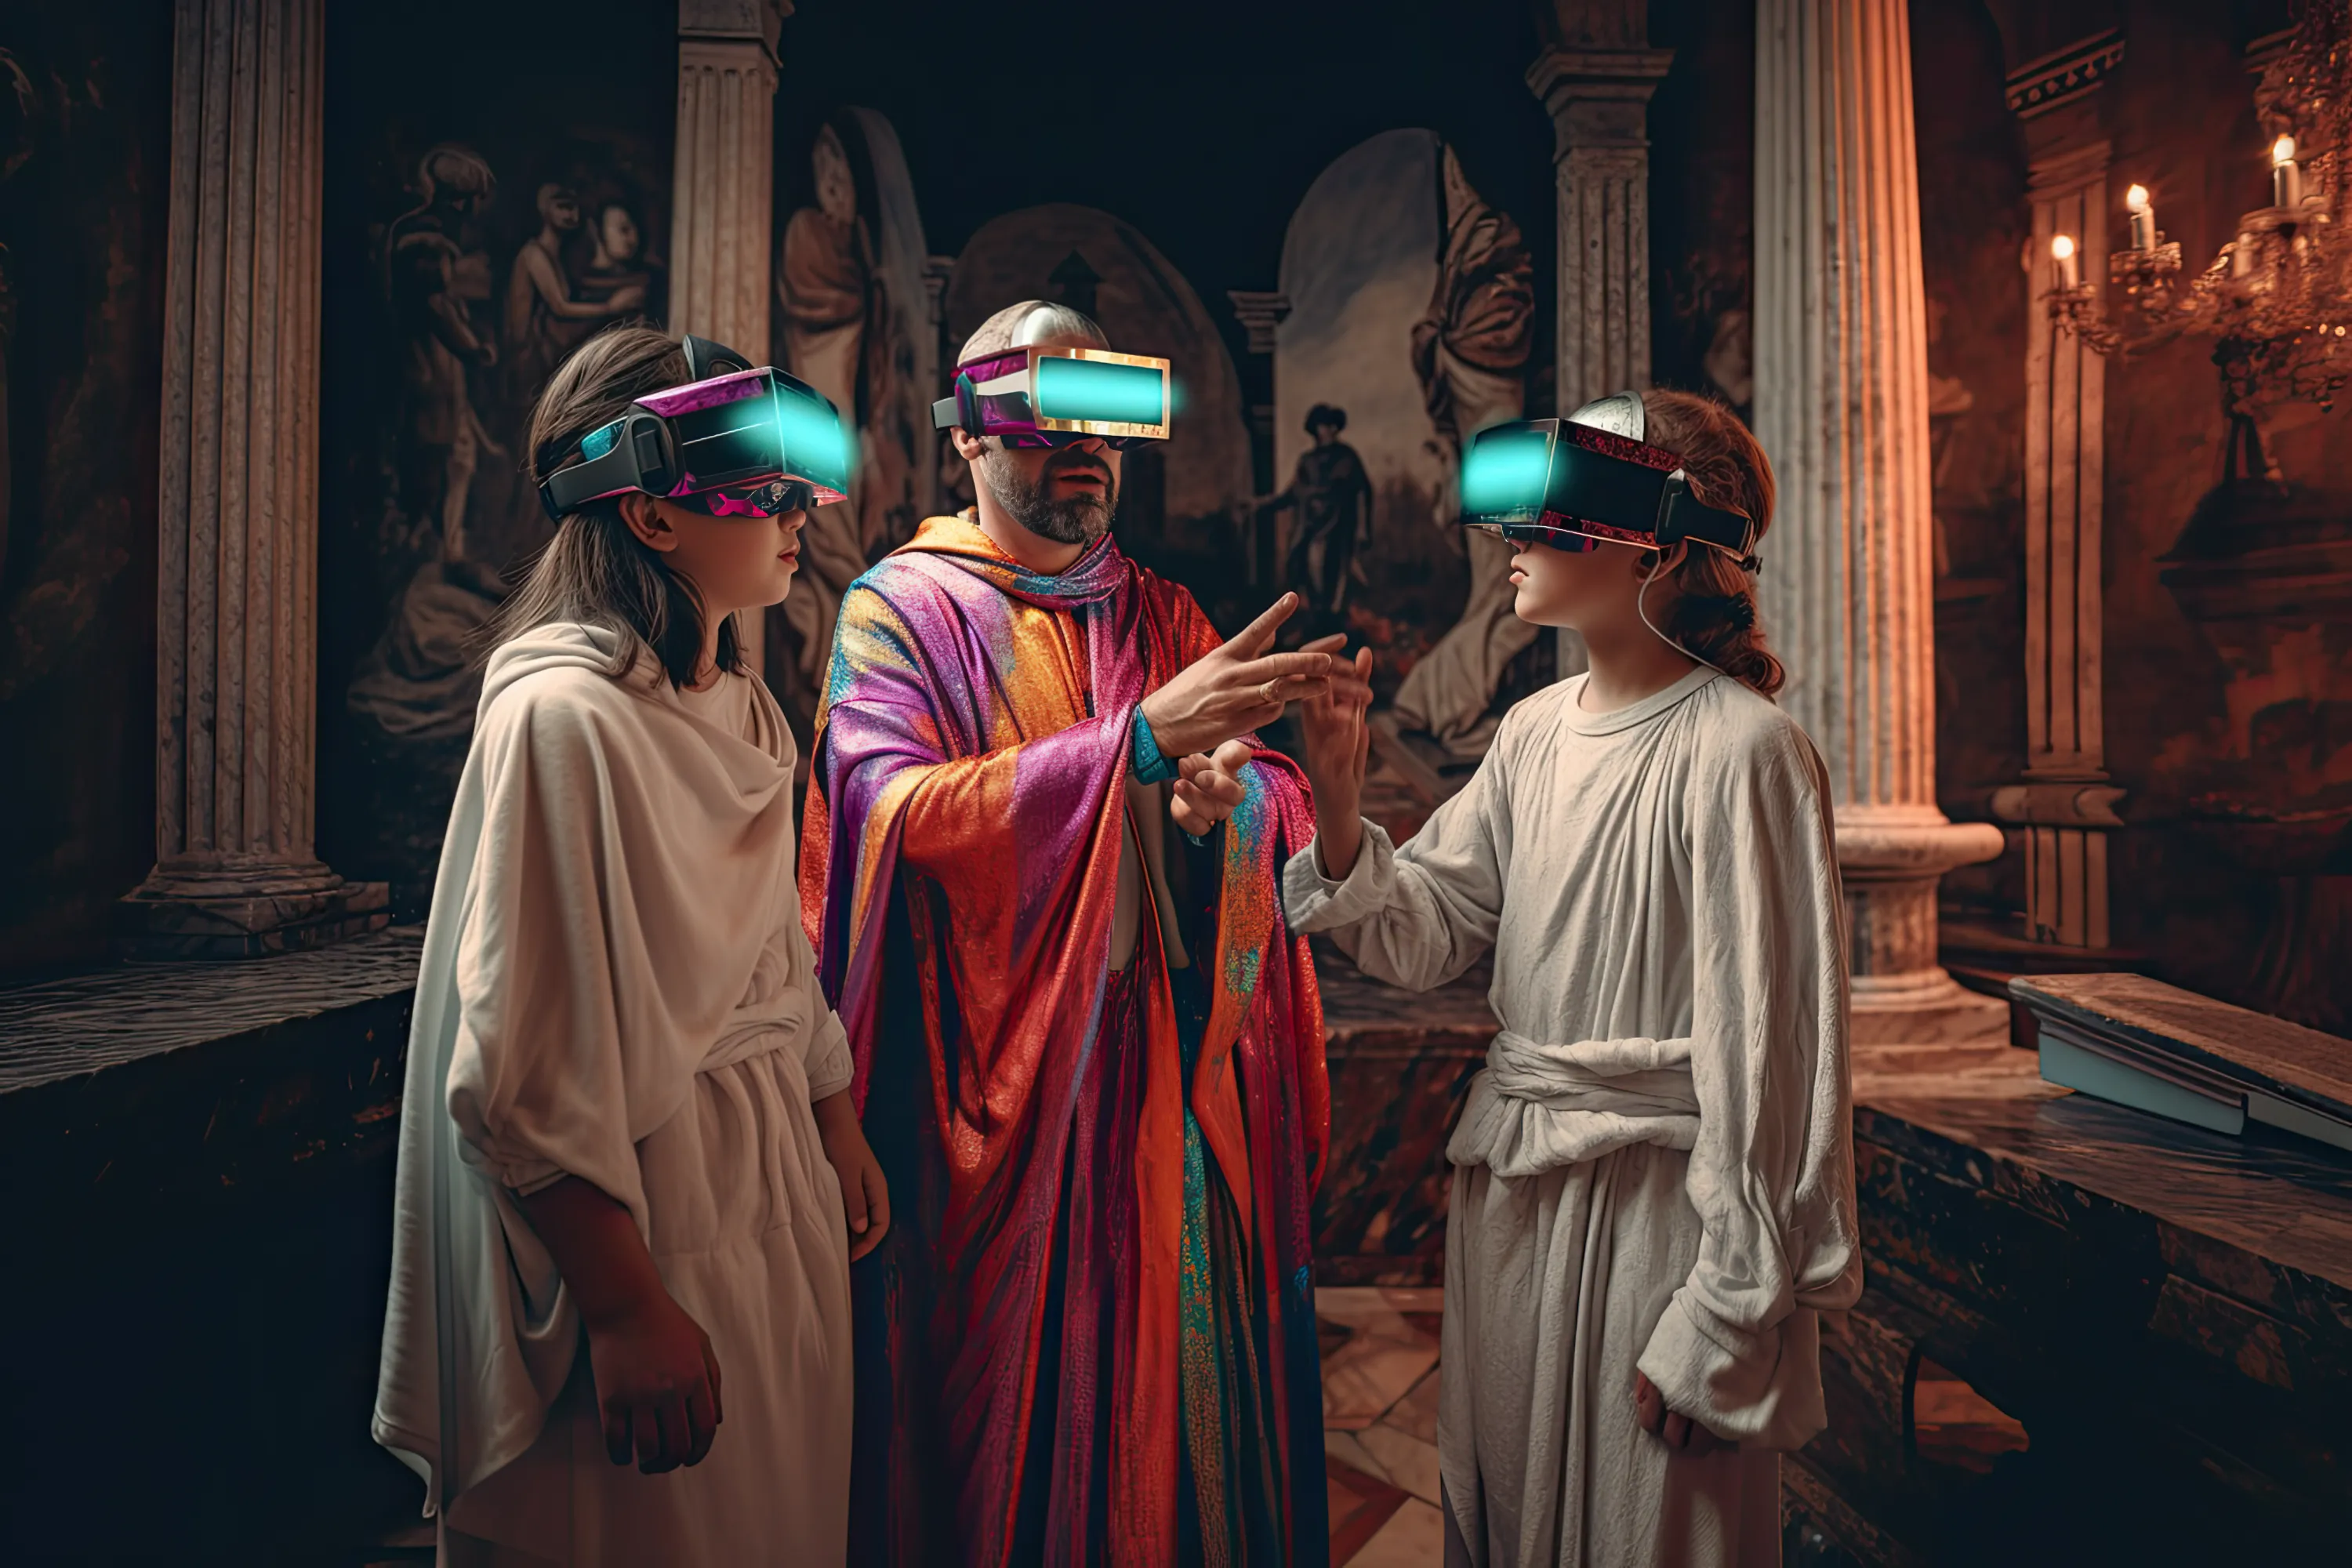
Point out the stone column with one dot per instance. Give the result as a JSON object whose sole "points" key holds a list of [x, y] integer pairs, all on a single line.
{"points": [[722, 186], [1841, 408], [1261, 313], [2065, 804], [238, 502], [1600, 98]]}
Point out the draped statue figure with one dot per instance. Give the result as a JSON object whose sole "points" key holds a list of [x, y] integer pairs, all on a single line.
{"points": [[1471, 352]]}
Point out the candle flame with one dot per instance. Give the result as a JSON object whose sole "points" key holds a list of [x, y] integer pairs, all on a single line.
{"points": [[2137, 199], [2282, 150], [2062, 246]]}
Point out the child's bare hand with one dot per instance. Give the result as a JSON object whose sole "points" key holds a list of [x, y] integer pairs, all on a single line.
{"points": [[1680, 1433], [656, 1384], [865, 1196], [1338, 743], [1338, 732], [1208, 787]]}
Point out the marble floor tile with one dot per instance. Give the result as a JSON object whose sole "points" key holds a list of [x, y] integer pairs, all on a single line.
{"points": [[1364, 1309], [1362, 1507], [1415, 1537], [1369, 1374], [1343, 1447], [1405, 1460], [1416, 1413]]}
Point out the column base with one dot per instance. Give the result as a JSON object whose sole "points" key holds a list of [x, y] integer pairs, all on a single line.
{"points": [[223, 912], [1911, 1012], [1892, 857]]}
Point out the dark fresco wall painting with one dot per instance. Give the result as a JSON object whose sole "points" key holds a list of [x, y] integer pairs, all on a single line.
{"points": [[1411, 325], [84, 153], [480, 226], [853, 317]]}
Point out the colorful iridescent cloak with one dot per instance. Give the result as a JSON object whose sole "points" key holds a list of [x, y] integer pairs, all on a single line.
{"points": [[1090, 1335]]}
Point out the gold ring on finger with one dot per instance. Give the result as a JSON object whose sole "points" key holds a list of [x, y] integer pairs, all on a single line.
{"points": [[1267, 691]]}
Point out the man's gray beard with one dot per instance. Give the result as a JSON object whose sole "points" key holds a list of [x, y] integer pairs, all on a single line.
{"points": [[1081, 520]]}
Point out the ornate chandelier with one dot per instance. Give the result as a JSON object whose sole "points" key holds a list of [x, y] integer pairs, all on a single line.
{"points": [[2278, 297]]}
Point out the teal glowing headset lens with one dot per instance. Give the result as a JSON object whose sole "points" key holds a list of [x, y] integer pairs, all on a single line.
{"points": [[1590, 477], [1506, 474], [1100, 392]]}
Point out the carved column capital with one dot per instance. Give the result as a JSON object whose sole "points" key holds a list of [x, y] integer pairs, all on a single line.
{"points": [[1259, 313], [743, 21], [1598, 97]]}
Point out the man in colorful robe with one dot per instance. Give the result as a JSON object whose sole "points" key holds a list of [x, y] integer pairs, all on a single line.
{"points": [[1089, 1053]]}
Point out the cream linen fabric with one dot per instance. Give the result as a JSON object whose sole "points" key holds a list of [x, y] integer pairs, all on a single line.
{"points": [[616, 986], [1656, 1167]]}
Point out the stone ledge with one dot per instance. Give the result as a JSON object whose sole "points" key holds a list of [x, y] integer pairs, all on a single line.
{"points": [[147, 1083], [242, 926]]}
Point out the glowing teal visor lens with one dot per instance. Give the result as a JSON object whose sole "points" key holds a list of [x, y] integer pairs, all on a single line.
{"points": [[1506, 474], [1101, 392], [785, 432], [815, 440]]}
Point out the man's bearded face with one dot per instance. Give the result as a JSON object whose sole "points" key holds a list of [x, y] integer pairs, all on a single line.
{"points": [[1065, 494]]}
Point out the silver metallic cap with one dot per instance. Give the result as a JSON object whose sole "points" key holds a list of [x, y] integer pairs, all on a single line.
{"points": [[1620, 414]]}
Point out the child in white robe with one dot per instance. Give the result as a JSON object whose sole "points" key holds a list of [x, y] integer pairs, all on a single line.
{"points": [[618, 1331], [1653, 1197]]}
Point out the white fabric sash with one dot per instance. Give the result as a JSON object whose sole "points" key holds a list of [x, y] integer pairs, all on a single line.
{"points": [[1539, 1107]]}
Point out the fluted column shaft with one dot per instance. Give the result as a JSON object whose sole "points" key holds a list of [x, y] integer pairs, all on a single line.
{"points": [[2064, 806], [237, 513], [1841, 408], [722, 186], [1599, 99]]}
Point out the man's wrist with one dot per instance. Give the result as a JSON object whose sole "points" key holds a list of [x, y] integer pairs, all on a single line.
{"points": [[1145, 759]]}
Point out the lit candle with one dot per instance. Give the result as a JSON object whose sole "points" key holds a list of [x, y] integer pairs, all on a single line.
{"points": [[2142, 218], [2062, 251], [2286, 179]]}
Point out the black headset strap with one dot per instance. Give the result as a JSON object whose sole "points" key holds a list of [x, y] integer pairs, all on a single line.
{"points": [[1634, 496], [641, 451], [1681, 517]]}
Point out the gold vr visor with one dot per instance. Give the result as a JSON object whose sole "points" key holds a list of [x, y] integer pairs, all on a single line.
{"points": [[1051, 397]]}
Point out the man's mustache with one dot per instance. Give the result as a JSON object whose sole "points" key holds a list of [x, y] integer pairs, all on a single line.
{"points": [[1058, 465]]}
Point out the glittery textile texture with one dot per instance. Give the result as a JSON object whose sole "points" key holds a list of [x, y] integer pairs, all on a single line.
{"points": [[1089, 1328]]}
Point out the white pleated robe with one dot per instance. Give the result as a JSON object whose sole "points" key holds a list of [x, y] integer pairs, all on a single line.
{"points": [[1656, 1168], [616, 986]]}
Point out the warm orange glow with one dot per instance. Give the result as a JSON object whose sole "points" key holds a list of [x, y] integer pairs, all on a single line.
{"points": [[2062, 246], [2137, 199], [2282, 150]]}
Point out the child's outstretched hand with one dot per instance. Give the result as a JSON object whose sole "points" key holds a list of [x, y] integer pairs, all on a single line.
{"points": [[1680, 1433], [1337, 744], [1208, 787], [865, 1196]]}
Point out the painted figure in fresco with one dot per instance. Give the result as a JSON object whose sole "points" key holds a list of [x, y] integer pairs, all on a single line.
{"points": [[1089, 1053], [835, 329], [429, 276], [631, 1183], [1471, 351], [1653, 1194], [617, 276], [1333, 499], [544, 322]]}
